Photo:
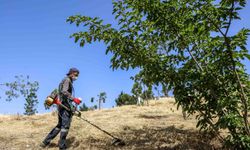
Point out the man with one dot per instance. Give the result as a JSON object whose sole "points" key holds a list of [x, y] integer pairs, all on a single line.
{"points": [[64, 116]]}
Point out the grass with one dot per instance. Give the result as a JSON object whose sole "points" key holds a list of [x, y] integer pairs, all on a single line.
{"points": [[157, 126]]}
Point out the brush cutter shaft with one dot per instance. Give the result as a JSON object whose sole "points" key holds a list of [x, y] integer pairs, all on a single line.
{"points": [[98, 127], [64, 107], [90, 123]]}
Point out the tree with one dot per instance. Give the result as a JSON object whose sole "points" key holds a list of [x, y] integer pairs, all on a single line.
{"points": [[187, 45], [22, 86], [137, 89], [101, 99], [84, 107], [148, 93], [92, 99], [31, 98], [125, 99], [93, 107]]}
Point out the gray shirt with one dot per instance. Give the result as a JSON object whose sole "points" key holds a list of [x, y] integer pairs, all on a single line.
{"points": [[65, 91]]}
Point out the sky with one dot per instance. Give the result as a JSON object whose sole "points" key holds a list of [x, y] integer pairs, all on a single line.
{"points": [[34, 41]]}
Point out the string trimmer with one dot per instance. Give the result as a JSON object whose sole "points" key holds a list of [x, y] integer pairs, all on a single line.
{"points": [[50, 101]]}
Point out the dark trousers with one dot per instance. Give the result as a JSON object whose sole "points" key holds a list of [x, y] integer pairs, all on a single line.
{"points": [[63, 125]]}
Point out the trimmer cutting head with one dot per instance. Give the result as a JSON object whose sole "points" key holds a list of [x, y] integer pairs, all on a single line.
{"points": [[118, 142]]}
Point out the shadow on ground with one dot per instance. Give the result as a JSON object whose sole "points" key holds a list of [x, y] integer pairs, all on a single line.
{"points": [[71, 143], [170, 138], [153, 116]]}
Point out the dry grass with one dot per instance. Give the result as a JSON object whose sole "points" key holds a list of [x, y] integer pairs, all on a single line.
{"points": [[157, 126]]}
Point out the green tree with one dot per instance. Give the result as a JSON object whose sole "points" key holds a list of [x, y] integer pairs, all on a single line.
{"points": [[30, 98], [148, 93], [101, 99], [125, 99], [84, 107], [22, 86], [187, 45], [92, 99], [137, 89], [93, 107]]}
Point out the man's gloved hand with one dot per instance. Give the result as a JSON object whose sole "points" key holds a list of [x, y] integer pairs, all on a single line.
{"points": [[72, 109], [77, 100], [78, 113]]}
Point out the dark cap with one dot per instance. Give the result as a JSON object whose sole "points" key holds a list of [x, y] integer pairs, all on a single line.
{"points": [[72, 70]]}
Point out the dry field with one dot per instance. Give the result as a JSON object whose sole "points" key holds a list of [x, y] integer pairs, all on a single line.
{"points": [[157, 126]]}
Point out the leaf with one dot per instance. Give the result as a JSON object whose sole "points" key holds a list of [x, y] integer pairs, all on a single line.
{"points": [[247, 56], [166, 41], [76, 39], [82, 43]]}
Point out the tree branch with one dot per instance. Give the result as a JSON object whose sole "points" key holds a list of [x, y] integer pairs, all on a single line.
{"points": [[194, 58], [230, 18], [211, 21], [244, 99]]}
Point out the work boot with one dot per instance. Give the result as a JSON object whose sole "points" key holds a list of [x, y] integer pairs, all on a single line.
{"points": [[43, 145]]}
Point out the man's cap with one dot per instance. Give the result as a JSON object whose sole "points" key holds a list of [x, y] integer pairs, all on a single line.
{"points": [[72, 70]]}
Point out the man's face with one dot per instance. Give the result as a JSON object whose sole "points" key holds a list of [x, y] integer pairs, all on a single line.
{"points": [[75, 76]]}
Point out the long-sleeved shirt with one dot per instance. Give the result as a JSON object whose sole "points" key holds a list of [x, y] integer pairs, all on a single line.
{"points": [[65, 92]]}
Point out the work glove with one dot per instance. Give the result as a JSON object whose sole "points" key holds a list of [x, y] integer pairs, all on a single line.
{"points": [[77, 100], [78, 113], [72, 108]]}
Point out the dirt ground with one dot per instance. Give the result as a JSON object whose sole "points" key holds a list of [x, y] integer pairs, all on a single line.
{"points": [[157, 126]]}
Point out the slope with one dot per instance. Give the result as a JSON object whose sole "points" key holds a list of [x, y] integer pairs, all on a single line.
{"points": [[157, 126]]}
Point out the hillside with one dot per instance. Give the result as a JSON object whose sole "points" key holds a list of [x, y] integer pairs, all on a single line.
{"points": [[157, 126]]}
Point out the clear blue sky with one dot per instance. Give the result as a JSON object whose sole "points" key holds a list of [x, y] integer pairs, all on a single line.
{"points": [[34, 40]]}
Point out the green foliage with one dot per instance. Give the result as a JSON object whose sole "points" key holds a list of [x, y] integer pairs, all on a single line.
{"points": [[148, 93], [22, 86], [125, 99], [137, 89], [84, 107], [31, 98], [186, 45], [93, 107], [102, 97], [92, 99]]}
